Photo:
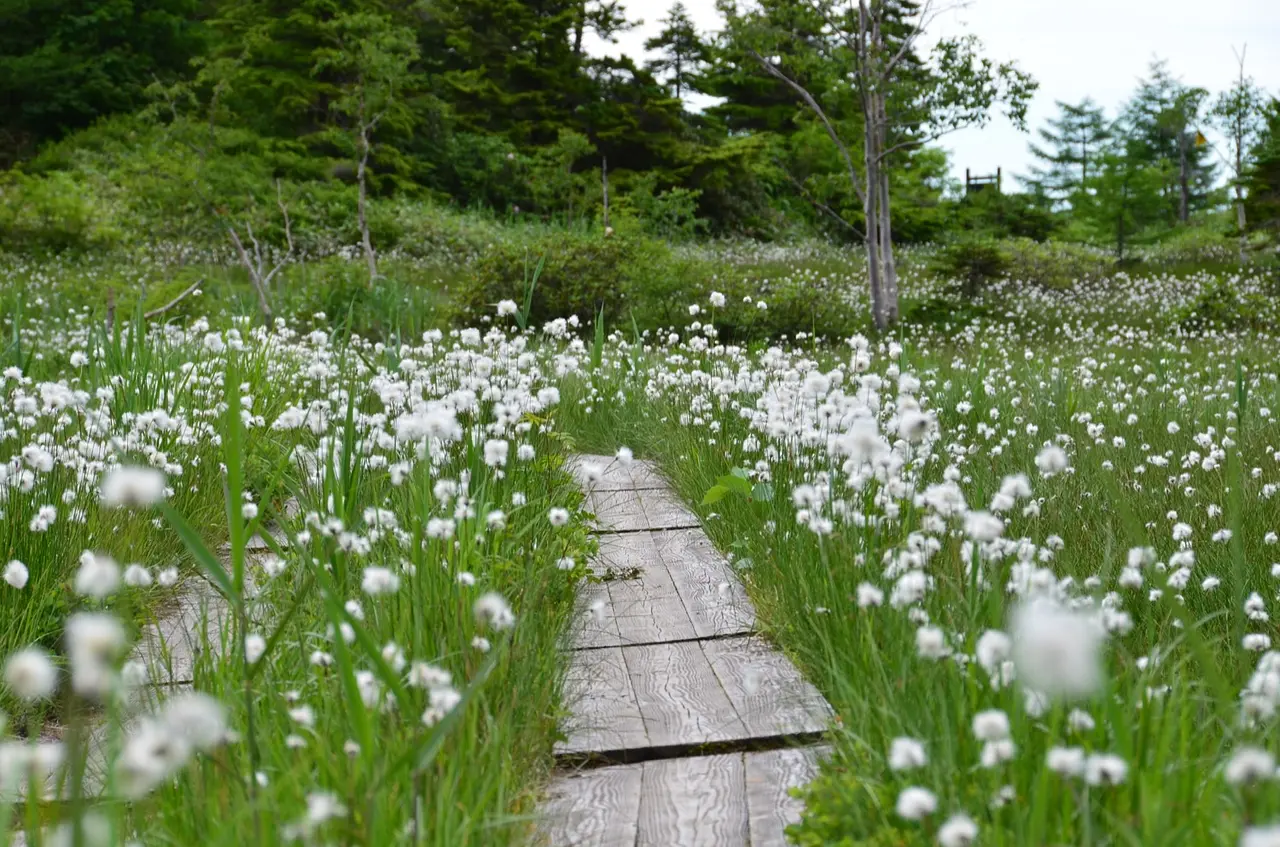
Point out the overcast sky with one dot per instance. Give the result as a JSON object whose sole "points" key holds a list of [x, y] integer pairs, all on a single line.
{"points": [[1074, 48]]}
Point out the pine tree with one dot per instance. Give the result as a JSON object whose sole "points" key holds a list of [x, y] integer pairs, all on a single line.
{"points": [[1072, 144], [65, 63], [682, 52], [1163, 123], [1262, 195]]}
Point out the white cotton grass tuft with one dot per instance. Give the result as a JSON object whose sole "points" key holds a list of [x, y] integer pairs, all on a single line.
{"points": [[1052, 460], [958, 831], [1249, 765], [915, 803], [31, 675], [16, 574], [491, 610], [906, 754], [132, 487], [98, 576], [1105, 769], [1057, 650]]}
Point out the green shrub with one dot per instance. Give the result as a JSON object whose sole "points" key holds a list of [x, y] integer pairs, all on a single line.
{"points": [[580, 274], [1222, 306], [971, 264], [51, 213]]}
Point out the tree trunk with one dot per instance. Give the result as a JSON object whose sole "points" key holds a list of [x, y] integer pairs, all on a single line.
{"points": [[885, 229], [871, 222], [361, 204], [1183, 187], [604, 189]]}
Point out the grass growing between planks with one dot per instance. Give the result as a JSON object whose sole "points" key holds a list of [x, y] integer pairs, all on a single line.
{"points": [[1032, 577]]}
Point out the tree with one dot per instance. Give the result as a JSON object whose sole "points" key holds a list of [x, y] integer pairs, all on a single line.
{"points": [[1126, 195], [65, 63], [1073, 142], [1163, 120], [682, 51], [605, 18], [1262, 184], [370, 59], [903, 103], [1240, 115]]}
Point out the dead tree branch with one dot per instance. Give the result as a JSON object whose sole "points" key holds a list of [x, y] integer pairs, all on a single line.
{"points": [[155, 313]]}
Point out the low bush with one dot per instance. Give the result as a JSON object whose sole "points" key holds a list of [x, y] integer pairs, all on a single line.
{"points": [[579, 274]]}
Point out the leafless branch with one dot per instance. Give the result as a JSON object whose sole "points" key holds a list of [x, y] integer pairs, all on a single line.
{"points": [[818, 204], [776, 72], [155, 313]]}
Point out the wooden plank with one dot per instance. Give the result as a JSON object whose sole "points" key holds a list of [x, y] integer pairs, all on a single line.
{"points": [[695, 802], [643, 596], [194, 620], [595, 808], [680, 699], [604, 715], [666, 511], [766, 690], [771, 775], [712, 594], [646, 474], [618, 511], [605, 473], [600, 473], [596, 625]]}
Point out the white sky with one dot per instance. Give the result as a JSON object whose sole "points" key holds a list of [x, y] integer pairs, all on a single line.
{"points": [[1074, 48]]}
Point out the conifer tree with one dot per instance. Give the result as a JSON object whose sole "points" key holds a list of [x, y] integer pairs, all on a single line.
{"points": [[681, 52], [1072, 144]]}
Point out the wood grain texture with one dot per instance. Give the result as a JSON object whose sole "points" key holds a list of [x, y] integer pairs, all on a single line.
{"points": [[595, 624], [771, 774], [766, 690], [712, 594], [604, 715], [595, 808], [663, 510], [694, 802], [606, 473], [618, 511], [680, 699], [642, 594]]}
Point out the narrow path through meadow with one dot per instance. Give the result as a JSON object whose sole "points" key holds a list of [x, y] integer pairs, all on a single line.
{"points": [[686, 728]]}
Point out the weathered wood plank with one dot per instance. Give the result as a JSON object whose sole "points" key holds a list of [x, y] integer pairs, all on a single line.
{"points": [[618, 511], [712, 593], [680, 699], [694, 802], [596, 625], [595, 808], [771, 775], [766, 690], [666, 511], [195, 619], [606, 473], [604, 714], [643, 596]]}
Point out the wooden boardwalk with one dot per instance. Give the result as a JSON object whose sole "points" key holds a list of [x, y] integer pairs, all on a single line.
{"points": [[685, 728]]}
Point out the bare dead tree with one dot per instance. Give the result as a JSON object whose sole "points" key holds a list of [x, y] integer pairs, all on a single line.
{"points": [[364, 128], [255, 262], [604, 188]]}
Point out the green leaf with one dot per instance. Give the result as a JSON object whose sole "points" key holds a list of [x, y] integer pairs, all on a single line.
{"points": [[208, 563], [736, 484], [762, 491], [714, 494]]}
